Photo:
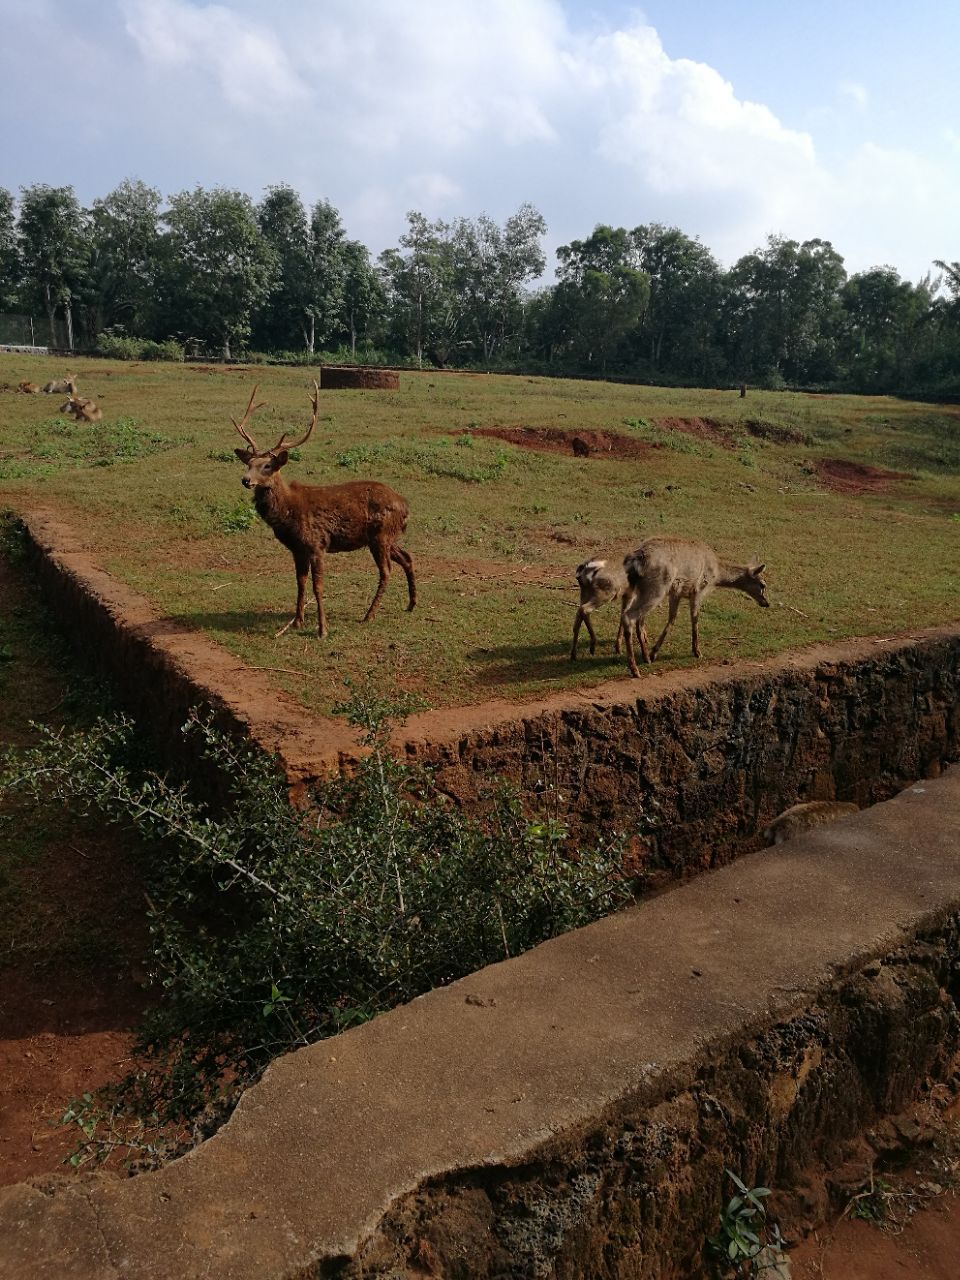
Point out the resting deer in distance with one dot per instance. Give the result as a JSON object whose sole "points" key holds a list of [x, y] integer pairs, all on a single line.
{"points": [[82, 409], [680, 568], [311, 519], [62, 386]]}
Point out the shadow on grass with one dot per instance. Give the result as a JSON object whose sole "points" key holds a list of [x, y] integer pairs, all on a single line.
{"points": [[252, 621], [544, 664]]}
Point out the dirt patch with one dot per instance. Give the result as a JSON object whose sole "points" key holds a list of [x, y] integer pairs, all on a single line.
{"points": [[843, 476], [335, 379], [771, 431], [582, 444], [72, 931], [701, 428]]}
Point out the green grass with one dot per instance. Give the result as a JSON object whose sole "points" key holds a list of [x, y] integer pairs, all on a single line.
{"points": [[495, 530]]}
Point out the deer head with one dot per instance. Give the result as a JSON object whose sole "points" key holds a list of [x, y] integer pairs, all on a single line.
{"points": [[753, 584], [263, 464]]}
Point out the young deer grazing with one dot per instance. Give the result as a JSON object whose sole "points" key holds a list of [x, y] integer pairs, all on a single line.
{"points": [[62, 386], [600, 581], [82, 409], [311, 519], [680, 568]]}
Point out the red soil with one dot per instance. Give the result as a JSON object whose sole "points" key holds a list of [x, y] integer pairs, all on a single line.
{"points": [[843, 476], [585, 443], [928, 1248], [701, 428]]}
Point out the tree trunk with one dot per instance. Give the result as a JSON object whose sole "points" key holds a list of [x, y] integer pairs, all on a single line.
{"points": [[226, 347]]}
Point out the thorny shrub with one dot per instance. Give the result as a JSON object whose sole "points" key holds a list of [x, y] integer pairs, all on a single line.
{"points": [[274, 926]]}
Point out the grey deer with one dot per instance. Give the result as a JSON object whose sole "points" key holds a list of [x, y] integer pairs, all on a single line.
{"points": [[600, 581], [312, 519], [679, 569]]}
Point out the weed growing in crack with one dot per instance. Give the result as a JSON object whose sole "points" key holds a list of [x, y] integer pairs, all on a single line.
{"points": [[748, 1244]]}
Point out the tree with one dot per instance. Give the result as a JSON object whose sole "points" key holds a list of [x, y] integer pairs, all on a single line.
{"points": [[217, 266], [783, 309], [419, 280], [678, 327], [326, 268], [53, 250], [124, 236], [884, 323], [602, 292], [491, 265], [9, 253], [283, 223], [363, 297]]}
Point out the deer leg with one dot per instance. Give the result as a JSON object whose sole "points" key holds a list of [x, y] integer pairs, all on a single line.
{"points": [[618, 643], [631, 656], [316, 568], [671, 618], [577, 623], [303, 568], [404, 560], [644, 643], [381, 555], [695, 602]]}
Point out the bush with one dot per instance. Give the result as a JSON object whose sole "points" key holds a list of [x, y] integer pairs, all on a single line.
{"points": [[274, 927], [119, 347]]}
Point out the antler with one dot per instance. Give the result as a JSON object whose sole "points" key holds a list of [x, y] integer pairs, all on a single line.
{"points": [[251, 408], [283, 443]]}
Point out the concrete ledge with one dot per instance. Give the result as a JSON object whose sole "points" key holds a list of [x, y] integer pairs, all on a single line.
{"points": [[569, 1113]]}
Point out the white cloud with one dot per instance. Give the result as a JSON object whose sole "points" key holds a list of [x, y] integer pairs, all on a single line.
{"points": [[457, 108], [856, 93], [251, 67]]}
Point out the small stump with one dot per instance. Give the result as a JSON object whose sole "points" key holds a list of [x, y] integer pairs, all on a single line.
{"points": [[340, 379]]}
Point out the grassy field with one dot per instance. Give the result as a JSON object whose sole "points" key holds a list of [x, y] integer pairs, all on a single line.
{"points": [[495, 529]]}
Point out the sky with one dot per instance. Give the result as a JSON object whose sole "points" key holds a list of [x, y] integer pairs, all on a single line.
{"points": [[731, 120]]}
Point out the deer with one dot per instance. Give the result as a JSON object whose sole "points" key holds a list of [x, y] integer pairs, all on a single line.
{"points": [[62, 386], [82, 409], [680, 568], [804, 817], [600, 582], [310, 520]]}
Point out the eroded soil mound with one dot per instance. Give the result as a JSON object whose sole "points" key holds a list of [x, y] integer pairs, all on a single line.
{"points": [[771, 431], [843, 476], [582, 444], [702, 428]]}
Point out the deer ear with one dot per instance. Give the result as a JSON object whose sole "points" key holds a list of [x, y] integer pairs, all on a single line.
{"points": [[245, 455], [757, 569], [280, 457]]}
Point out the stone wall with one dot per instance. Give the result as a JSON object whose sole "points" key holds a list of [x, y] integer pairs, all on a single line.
{"points": [[638, 1196], [695, 765]]}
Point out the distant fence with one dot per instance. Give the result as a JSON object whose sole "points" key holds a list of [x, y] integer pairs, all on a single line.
{"points": [[32, 331]]}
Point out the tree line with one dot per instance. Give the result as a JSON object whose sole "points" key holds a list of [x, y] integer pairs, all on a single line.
{"points": [[213, 271]]}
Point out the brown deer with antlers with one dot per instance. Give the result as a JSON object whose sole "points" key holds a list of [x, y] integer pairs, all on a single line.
{"points": [[311, 519]]}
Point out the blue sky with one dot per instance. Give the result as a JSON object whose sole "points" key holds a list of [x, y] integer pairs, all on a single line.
{"points": [[731, 121]]}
